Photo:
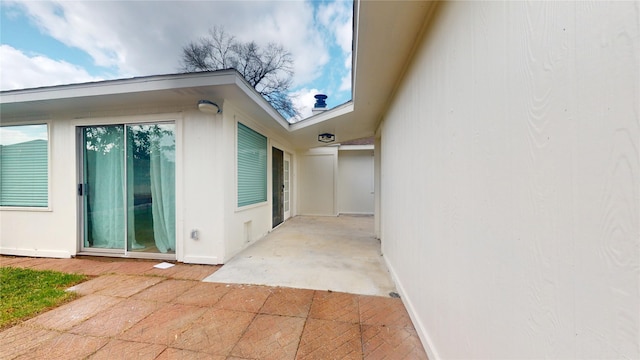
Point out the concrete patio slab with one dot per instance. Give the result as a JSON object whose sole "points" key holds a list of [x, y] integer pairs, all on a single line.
{"points": [[317, 253]]}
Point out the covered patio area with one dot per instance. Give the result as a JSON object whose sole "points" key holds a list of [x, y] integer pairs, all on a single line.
{"points": [[317, 253]]}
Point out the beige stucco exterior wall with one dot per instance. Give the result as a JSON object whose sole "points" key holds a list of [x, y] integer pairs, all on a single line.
{"points": [[510, 183]]}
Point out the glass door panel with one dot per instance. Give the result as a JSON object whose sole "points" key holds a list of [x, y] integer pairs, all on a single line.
{"points": [[151, 188], [103, 187], [128, 188]]}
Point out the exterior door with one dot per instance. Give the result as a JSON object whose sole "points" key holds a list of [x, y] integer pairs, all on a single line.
{"points": [[127, 189], [287, 186], [277, 171]]}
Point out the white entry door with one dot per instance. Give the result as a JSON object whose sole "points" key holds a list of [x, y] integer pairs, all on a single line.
{"points": [[287, 186]]}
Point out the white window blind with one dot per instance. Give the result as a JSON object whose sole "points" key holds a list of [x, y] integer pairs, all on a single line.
{"points": [[24, 169], [252, 166]]}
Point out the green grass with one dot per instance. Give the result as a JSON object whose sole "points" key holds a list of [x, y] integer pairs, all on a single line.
{"points": [[25, 292]]}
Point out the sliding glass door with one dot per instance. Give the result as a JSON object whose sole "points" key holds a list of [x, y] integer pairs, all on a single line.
{"points": [[128, 188]]}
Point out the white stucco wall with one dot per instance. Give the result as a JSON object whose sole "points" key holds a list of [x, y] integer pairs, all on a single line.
{"points": [[49, 232], [355, 181], [510, 181], [317, 181], [244, 226], [200, 198]]}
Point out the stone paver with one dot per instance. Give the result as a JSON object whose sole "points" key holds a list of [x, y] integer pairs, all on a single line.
{"points": [[270, 337], [203, 294], [130, 310], [164, 325], [288, 302], [115, 320], [215, 333], [335, 307], [382, 342], [71, 314], [245, 298], [21, 339], [376, 310], [119, 349], [324, 339], [165, 291]]}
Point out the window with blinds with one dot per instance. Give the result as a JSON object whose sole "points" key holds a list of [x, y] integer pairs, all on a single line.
{"points": [[24, 169], [252, 166]]}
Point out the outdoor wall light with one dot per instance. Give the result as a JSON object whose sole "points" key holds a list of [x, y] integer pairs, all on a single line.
{"points": [[326, 138], [208, 107]]}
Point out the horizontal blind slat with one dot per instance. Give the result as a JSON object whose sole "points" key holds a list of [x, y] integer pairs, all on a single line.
{"points": [[24, 174], [252, 166]]}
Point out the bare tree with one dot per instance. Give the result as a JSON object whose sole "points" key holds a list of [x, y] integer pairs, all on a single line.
{"points": [[269, 70]]}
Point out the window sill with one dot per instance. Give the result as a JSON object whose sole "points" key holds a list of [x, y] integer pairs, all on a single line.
{"points": [[26, 208], [252, 206]]}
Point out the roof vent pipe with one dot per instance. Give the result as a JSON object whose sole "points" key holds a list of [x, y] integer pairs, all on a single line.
{"points": [[320, 104]]}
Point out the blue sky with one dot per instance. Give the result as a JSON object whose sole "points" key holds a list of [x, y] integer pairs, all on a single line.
{"points": [[62, 42]]}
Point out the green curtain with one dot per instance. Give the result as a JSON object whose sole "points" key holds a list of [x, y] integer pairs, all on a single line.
{"points": [[104, 162], [162, 174]]}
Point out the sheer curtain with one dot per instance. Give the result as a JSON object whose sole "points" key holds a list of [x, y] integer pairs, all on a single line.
{"points": [[131, 220], [104, 147], [162, 173]]}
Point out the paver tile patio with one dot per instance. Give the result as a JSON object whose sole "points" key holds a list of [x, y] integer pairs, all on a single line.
{"points": [[289, 302], [71, 314], [65, 346], [335, 306], [120, 349], [116, 319], [165, 291], [203, 294], [122, 315], [324, 339], [244, 298], [215, 332], [164, 325], [383, 342], [376, 310], [127, 285], [270, 337], [21, 339], [180, 354]]}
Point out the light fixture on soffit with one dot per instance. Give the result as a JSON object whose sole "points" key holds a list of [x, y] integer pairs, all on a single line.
{"points": [[326, 138], [209, 107]]}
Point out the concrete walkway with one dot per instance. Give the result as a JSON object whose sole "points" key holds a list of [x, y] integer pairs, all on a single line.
{"points": [[131, 310], [317, 253]]}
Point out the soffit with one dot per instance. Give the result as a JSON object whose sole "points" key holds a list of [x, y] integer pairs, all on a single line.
{"points": [[385, 37]]}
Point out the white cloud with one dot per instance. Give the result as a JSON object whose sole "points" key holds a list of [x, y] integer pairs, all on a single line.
{"points": [[337, 17], [146, 37], [20, 70], [304, 100], [345, 84]]}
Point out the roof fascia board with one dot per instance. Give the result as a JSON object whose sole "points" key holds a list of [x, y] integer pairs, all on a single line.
{"points": [[354, 47], [255, 96], [123, 86], [327, 115]]}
